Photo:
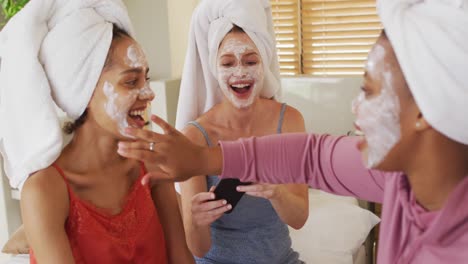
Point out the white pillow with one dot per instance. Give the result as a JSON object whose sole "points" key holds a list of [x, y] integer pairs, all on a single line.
{"points": [[335, 230]]}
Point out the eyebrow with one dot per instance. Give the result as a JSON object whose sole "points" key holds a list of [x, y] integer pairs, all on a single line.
{"points": [[227, 55], [251, 53], [135, 70], [245, 55]]}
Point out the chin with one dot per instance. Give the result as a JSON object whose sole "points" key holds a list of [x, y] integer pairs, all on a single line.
{"points": [[387, 164]]}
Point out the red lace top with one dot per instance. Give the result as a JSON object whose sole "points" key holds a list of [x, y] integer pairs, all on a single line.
{"points": [[134, 235]]}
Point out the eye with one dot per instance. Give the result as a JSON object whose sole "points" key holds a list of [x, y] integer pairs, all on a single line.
{"points": [[132, 82], [227, 64], [252, 63]]}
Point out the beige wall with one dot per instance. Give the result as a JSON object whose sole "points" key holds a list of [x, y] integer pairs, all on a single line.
{"points": [[180, 13], [161, 27], [325, 103], [150, 22]]}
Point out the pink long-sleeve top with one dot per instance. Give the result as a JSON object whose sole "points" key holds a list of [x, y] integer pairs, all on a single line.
{"points": [[408, 233]]}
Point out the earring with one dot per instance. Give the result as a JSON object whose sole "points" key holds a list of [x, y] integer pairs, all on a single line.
{"points": [[418, 124]]}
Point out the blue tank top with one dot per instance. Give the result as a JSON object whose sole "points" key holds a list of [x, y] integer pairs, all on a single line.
{"points": [[252, 233]]}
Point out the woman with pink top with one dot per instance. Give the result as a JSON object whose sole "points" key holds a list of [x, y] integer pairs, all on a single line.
{"points": [[412, 112]]}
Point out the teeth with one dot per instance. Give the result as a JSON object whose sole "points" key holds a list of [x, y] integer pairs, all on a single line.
{"points": [[240, 86], [137, 113], [358, 133]]}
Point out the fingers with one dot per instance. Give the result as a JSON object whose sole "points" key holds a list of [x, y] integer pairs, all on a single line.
{"points": [[203, 202], [258, 190], [162, 124], [266, 195], [138, 154], [251, 188], [212, 188], [205, 211], [204, 218], [203, 197], [142, 145]]}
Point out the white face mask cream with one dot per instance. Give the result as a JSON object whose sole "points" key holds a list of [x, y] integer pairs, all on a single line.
{"points": [[240, 77], [145, 93], [135, 56], [118, 106], [379, 117]]}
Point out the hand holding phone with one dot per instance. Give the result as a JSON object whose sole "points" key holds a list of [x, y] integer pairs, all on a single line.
{"points": [[227, 190]]}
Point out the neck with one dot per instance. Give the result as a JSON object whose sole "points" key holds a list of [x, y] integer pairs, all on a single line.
{"points": [[92, 149], [239, 118], [436, 173]]}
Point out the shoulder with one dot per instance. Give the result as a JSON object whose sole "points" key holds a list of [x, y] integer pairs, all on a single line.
{"points": [[194, 134], [293, 120], [45, 191]]}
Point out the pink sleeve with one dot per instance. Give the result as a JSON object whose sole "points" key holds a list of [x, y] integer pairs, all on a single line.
{"points": [[332, 164]]}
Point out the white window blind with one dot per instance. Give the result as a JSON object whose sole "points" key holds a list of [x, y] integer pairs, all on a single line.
{"points": [[286, 20], [335, 36]]}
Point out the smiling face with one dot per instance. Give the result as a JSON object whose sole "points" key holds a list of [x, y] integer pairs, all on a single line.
{"points": [[385, 110], [122, 93], [240, 69]]}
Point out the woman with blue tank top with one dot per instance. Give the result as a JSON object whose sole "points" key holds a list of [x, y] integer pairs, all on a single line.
{"points": [[231, 95]]}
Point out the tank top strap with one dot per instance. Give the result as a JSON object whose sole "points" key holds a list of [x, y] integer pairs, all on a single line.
{"points": [[203, 131], [281, 118], [60, 171]]}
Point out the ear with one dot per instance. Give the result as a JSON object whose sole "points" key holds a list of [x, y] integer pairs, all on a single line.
{"points": [[421, 123]]}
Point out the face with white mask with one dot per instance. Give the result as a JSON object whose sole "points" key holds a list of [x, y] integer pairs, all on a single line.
{"points": [[384, 110], [240, 69], [123, 93]]}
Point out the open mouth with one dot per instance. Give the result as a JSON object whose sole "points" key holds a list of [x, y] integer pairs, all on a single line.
{"points": [[136, 117], [241, 88], [357, 131]]}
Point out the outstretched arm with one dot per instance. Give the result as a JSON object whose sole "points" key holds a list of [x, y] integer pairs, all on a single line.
{"points": [[324, 162]]}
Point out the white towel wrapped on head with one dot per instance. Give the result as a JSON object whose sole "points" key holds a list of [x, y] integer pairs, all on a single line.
{"points": [[52, 52], [430, 39], [211, 21]]}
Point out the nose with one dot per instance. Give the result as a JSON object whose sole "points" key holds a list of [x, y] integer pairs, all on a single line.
{"points": [[146, 94], [240, 71]]}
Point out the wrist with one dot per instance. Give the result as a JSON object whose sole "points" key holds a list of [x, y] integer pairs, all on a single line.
{"points": [[212, 160], [276, 194]]}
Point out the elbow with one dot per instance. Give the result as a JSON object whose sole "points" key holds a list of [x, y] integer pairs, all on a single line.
{"points": [[199, 251], [199, 248], [300, 221], [297, 225]]}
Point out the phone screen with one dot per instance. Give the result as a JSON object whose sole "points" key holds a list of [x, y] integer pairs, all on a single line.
{"points": [[226, 189]]}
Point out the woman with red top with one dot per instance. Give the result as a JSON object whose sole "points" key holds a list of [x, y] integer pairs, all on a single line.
{"points": [[86, 204]]}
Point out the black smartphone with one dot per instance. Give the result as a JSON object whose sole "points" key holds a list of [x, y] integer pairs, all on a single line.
{"points": [[226, 189]]}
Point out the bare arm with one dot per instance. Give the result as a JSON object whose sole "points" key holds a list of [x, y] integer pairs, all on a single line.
{"points": [[198, 236], [292, 204], [291, 201], [45, 207], [198, 211], [165, 200]]}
